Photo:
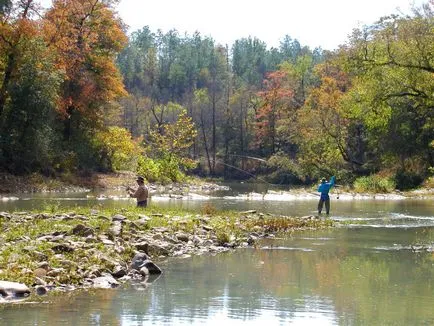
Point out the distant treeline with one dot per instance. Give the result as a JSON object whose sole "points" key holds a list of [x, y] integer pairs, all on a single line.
{"points": [[77, 94]]}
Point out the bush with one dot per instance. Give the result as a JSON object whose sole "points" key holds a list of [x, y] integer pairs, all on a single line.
{"points": [[407, 180], [374, 184]]}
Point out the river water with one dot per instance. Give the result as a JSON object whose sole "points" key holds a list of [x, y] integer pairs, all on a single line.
{"points": [[377, 268]]}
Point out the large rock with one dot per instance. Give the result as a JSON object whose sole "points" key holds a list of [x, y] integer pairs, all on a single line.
{"points": [[13, 290], [116, 229], [144, 265], [149, 267], [105, 282], [138, 261]]}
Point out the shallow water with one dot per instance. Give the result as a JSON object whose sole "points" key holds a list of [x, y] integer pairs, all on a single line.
{"points": [[376, 269]]}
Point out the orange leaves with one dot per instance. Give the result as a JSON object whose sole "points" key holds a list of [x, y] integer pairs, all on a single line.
{"points": [[87, 35], [275, 101]]}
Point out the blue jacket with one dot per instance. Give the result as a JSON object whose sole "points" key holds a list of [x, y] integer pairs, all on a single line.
{"points": [[324, 188]]}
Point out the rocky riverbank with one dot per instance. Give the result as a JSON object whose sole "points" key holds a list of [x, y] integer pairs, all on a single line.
{"points": [[61, 251]]}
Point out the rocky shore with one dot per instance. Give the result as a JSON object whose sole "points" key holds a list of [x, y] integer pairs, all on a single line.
{"points": [[62, 251]]}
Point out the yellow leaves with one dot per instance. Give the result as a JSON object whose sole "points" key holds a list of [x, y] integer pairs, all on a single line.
{"points": [[121, 150], [175, 137]]}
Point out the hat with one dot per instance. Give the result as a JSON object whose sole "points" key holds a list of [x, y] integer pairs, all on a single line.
{"points": [[140, 178]]}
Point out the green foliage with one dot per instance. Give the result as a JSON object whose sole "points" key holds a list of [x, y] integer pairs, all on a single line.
{"points": [[149, 169], [116, 147], [167, 157], [27, 133], [406, 180], [392, 94], [286, 171], [164, 169], [374, 184]]}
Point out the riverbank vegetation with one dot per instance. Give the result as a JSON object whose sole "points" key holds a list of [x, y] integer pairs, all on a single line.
{"points": [[77, 96], [55, 248]]}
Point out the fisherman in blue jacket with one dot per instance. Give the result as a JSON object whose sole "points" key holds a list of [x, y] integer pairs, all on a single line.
{"points": [[324, 189]]}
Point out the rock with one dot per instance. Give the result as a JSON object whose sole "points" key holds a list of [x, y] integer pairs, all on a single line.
{"points": [[182, 236], [144, 271], [119, 271], [158, 250], [197, 241], [160, 229], [13, 289], [118, 217], [105, 282], [82, 230], [207, 228], [158, 236], [39, 255], [116, 228], [4, 215], [251, 240], [39, 281], [142, 222], [56, 272], [44, 265], [107, 242], [144, 218], [40, 272], [41, 290], [142, 246], [138, 261], [252, 211], [60, 248], [151, 267], [103, 217], [43, 216]]}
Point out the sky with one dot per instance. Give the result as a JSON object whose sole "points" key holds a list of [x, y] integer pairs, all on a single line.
{"points": [[315, 23]]}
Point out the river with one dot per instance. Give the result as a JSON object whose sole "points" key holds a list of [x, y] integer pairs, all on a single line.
{"points": [[376, 268]]}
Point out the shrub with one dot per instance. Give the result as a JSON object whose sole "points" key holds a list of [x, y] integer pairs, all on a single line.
{"points": [[374, 184], [407, 180]]}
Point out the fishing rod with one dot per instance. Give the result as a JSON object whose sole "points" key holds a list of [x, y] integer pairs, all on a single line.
{"points": [[250, 157], [238, 169]]}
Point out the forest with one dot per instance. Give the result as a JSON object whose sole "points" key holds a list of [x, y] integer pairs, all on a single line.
{"points": [[78, 94]]}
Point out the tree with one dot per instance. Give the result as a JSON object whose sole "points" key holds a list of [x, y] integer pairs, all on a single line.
{"points": [[274, 103], [322, 129], [87, 36], [16, 27], [28, 140], [393, 91]]}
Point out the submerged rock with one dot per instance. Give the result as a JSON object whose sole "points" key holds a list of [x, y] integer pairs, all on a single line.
{"points": [[105, 282]]}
